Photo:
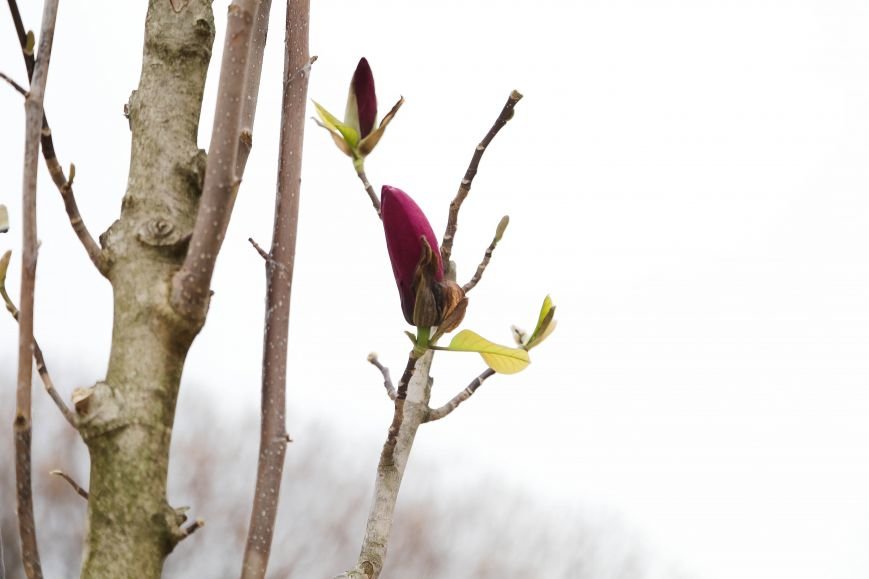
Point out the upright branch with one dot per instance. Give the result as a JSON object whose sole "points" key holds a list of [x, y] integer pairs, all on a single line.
{"points": [[280, 262], [55, 169], [191, 285], [390, 470], [465, 187], [22, 425], [429, 298], [254, 74]]}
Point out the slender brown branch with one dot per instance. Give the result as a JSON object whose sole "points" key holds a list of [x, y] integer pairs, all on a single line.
{"points": [[64, 185], [29, 60], [251, 89], [191, 285], [21, 90], [387, 379], [465, 187], [22, 424], [280, 265], [262, 252], [446, 409], [370, 190], [38, 357], [478, 275], [75, 486]]}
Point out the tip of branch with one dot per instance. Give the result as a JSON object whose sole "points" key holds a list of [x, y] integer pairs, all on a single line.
{"points": [[372, 357]]}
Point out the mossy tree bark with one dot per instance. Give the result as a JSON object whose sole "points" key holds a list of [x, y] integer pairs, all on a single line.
{"points": [[126, 420]]}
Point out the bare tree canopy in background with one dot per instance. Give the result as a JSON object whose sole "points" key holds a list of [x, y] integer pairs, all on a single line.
{"points": [[442, 530]]}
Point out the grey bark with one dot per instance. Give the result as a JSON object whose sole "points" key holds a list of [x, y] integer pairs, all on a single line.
{"points": [[390, 471], [126, 420]]}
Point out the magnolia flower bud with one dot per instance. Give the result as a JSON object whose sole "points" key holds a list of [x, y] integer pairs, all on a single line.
{"points": [[361, 111], [357, 134], [426, 298]]}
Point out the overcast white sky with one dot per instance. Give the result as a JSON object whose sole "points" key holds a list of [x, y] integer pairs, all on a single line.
{"points": [[688, 179]]}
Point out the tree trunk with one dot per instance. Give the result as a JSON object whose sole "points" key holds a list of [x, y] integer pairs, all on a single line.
{"points": [[126, 421]]}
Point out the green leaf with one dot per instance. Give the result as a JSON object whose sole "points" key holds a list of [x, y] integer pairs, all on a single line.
{"points": [[331, 122], [545, 324], [501, 359]]}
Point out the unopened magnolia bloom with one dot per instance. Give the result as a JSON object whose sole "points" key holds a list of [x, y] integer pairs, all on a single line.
{"points": [[361, 111], [427, 299], [357, 136]]}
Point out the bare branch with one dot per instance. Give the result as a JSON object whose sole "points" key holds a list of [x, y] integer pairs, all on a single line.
{"points": [[252, 82], [465, 187], [191, 528], [478, 275], [446, 409], [20, 89], [64, 185], [22, 424], [280, 263], [387, 379], [41, 368], [410, 413], [370, 190], [75, 486], [262, 252], [191, 285]]}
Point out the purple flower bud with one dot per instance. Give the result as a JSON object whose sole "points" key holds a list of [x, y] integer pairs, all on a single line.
{"points": [[416, 259], [362, 100]]}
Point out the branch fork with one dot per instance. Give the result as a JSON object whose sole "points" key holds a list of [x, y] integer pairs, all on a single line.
{"points": [[411, 397]]}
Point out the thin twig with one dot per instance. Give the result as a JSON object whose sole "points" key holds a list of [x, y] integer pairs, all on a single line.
{"points": [[191, 285], [22, 424], [446, 409], [64, 185], [191, 528], [75, 486], [21, 90], [370, 190], [465, 187], [280, 265], [262, 252], [387, 379], [41, 368], [478, 275], [302, 71]]}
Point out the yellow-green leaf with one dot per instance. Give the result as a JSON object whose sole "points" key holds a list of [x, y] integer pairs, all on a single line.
{"points": [[501, 359], [545, 324], [331, 122], [544, 310]]}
